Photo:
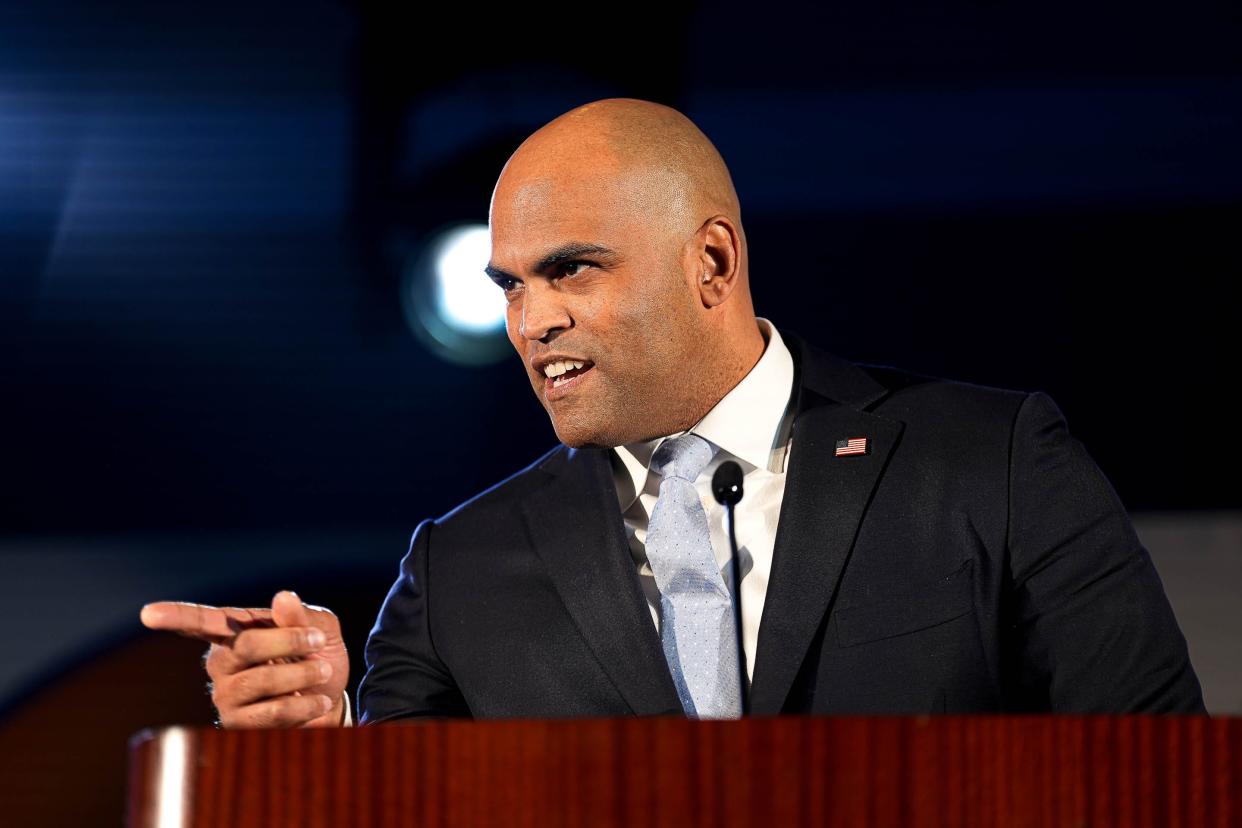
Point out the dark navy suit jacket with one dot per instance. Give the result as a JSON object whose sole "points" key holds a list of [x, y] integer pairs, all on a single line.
{"points": [[975, 560]]}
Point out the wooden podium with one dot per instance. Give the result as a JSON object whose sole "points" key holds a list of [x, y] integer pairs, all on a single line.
{"points": [[772, 772]]}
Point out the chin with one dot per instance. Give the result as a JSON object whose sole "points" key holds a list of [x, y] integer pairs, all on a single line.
{"points": [[575, 439], [580, 435]]}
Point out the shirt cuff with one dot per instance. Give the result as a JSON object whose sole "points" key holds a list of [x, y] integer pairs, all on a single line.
{"points": [[349, 719]]}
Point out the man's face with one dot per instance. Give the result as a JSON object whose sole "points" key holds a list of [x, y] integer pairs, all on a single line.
{"points": [[598, 282]]}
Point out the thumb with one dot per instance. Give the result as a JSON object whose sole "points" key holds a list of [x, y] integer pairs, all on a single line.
{"points": [[289, 611]]}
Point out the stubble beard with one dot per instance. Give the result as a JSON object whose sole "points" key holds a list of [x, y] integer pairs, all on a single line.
{"points": [[595, 423], [621, 417]]}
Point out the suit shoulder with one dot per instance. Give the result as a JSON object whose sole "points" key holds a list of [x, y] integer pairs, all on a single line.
{"points": [[501, 496], [916, 395], [891, 390]]}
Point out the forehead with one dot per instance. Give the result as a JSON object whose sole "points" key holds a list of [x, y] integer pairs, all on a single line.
{"points": [[601, 204]]}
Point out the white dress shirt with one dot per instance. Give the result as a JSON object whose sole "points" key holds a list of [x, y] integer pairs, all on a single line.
{"points": [[750, 426]]}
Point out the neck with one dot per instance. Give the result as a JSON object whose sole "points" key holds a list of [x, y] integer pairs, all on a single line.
{"points": [[736, 357]]}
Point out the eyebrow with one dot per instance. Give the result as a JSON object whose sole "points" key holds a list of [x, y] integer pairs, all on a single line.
{"points": [[558, 255]]}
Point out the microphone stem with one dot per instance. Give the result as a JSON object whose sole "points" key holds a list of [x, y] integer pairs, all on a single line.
{"points": [[737, 612]]}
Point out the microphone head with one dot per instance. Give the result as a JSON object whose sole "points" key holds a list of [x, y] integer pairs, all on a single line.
{"points": [[727, 483]]}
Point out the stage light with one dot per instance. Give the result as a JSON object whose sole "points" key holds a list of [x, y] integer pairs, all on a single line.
{"points": [[466, 298], [448, 300]]}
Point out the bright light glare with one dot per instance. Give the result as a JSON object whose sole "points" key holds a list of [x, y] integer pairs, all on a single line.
{"points": [[171, 800], [466, 299]]}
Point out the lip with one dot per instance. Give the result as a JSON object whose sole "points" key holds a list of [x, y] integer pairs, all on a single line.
{"points": [[553, 393]]}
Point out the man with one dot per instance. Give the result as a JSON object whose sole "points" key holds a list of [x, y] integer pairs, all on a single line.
{"points": [[908, 544]]}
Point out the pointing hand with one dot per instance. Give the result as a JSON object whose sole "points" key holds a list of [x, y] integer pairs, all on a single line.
{"points": [[279, 667]]}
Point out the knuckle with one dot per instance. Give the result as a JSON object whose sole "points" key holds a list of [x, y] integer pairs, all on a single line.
{"points": [[247, 684], [245, 647], [223, 694], [312, 672], [227, 713], [264, 716], [214, 661], [299, 640], [287, 710]]}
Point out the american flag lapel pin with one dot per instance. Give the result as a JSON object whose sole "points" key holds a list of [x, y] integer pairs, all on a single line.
{"points": [[854, 445]]}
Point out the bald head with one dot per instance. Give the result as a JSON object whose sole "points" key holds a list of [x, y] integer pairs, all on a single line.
{"points": [[617, 237], [669, 169]]}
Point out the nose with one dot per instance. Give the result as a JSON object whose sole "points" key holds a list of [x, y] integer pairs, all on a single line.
{"points": [[543, 311]]}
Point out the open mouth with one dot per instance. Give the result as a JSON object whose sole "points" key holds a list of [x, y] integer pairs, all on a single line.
{"points": [[565, 373]]}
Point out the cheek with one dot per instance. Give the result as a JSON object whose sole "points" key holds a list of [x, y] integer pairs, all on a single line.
{"points": [[657, 310], [645, 341]]}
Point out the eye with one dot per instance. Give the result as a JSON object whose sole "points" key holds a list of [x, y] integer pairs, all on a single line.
{"points": [[561, 268], [506, 283]]}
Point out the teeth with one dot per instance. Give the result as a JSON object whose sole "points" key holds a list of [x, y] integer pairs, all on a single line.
{"points": [[555, 369]]}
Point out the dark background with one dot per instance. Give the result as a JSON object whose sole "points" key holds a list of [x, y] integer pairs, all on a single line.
{"points": [[204, 208], [209, 391]]}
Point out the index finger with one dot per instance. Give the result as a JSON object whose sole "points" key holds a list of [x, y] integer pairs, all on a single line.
{"points": [[202, 621]]}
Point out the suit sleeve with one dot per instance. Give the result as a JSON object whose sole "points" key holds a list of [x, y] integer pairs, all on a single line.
{"points": [[1095, 631], [405, 677]]}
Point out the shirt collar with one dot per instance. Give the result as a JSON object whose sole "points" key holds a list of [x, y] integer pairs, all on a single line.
{"points": [[747, 423]]}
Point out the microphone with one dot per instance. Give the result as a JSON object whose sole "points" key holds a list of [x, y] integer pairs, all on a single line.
{"points": [[727, 487], [727, 484]]}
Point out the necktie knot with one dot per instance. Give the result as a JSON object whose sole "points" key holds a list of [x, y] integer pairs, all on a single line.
{"points": [[683, 457]]}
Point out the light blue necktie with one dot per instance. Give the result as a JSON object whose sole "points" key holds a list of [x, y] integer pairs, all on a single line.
{"points": [[698, 630]]}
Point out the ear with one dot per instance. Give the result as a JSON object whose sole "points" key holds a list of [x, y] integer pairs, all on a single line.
{"points": [[718, 260]]}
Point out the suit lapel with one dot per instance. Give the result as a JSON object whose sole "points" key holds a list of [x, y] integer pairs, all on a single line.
{"points": [[578, 532], [824, 502]]}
